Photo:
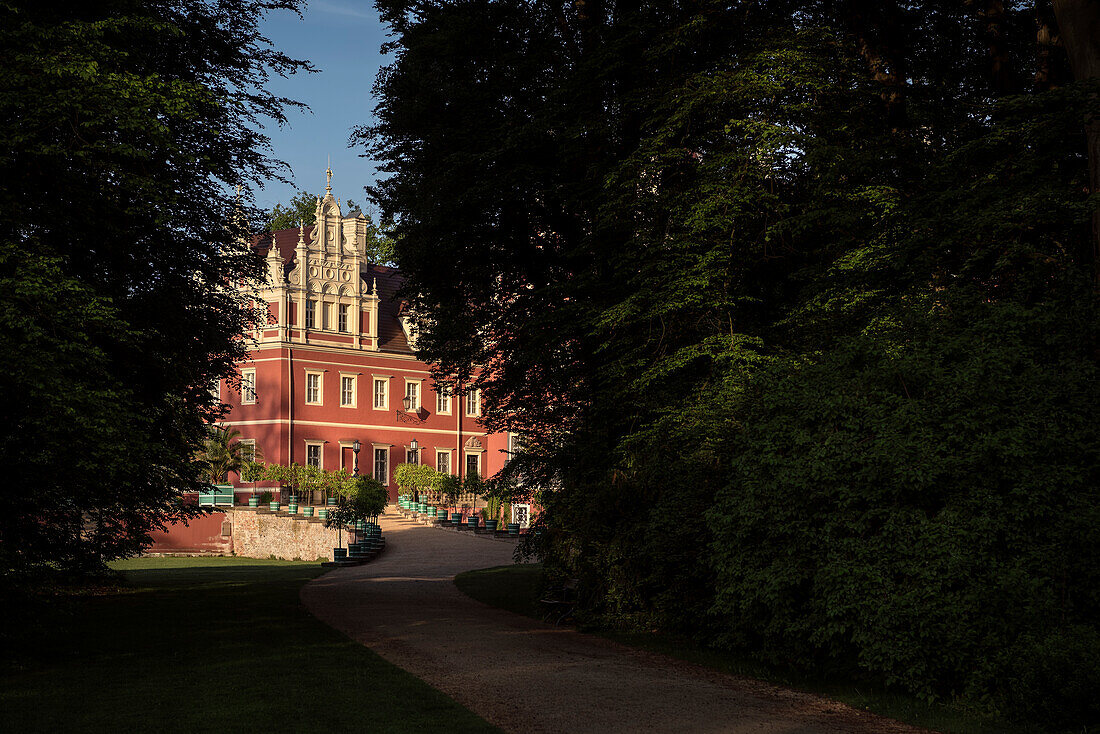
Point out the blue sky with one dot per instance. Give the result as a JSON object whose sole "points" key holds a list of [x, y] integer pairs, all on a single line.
{"points": [[342, 38]]}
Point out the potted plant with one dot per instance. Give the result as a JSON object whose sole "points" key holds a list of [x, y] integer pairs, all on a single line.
{"points": [[404, 476], [362, 501], [493, 493], [310, 481], [253, 471], [221, 454], [449, 487]]}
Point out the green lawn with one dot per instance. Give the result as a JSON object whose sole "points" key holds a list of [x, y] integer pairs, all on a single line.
{"points": [[208, 644], [517, 588]]}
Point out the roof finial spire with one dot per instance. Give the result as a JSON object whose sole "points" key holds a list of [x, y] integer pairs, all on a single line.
{"points": [[301, 232], [328, 174], [374, 286]]}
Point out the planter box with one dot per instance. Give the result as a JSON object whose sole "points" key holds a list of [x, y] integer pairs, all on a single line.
{"points": [[513, 529], [307, 512], [273, 506]]}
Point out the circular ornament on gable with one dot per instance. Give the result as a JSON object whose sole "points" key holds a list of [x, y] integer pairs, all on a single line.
{"points": [[346, 276], [330, 273], [313, 272]]}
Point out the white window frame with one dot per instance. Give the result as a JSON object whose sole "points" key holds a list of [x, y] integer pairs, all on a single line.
{"points": [[409, 455], [473, 394], [320, 387], [385, 382], [443, 453], [311, 313], [385, 480], [342, 310], [248, 442], [466, 464], [442, 401], [354, 390], [413, 386], [320, 446], [525, 510], [248, 387]]}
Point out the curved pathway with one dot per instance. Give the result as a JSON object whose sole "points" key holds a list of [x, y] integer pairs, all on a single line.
{"points": [[525, 676]]}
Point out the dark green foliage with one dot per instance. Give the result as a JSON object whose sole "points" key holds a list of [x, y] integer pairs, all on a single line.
{"points": [[365, 500], [793, 304], [123, 125], [924, 508]]}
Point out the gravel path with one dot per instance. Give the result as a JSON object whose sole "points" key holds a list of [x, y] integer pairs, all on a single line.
{"points": [[525, 676]]}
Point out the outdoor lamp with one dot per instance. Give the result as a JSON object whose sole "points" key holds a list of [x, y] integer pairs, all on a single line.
{"points": [[355, 450], [413, 445], [407, 401]]}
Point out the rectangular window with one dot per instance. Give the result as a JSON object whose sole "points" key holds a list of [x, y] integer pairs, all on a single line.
{"points": [[381, 465], [248, 386], [343, 317], [443, 462], [380, 393], [412, 392], [347, 391], [473, 464], [473, 402], [248, 449], [410, 456], [311, 314], [313, 455], [443, 401], [313, 388], [326, 310]]}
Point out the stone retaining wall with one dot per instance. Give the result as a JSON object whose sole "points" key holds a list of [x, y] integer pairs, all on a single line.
{"points": [[257, 535]]}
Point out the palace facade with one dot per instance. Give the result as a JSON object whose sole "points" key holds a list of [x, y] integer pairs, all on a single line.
{"points": [[335, 365]]}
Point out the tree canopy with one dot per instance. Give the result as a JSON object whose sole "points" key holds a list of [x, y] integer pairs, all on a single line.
{"points": [[125, 127], [815, 279]]}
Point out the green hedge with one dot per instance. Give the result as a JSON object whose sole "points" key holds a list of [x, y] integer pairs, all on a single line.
{"points": [[926, 511]]}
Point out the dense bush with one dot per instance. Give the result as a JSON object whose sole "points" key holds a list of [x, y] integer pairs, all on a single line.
{"points": [[926, 510]]}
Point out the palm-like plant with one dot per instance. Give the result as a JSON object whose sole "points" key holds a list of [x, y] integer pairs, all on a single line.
{"points": [[222, 453]]}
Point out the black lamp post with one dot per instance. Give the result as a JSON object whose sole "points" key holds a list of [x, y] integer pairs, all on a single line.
{"points": [[355, 462], [414, 447]]}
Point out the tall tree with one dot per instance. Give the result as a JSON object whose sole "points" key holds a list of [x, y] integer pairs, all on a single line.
{"points": [[803, 274], [123, 125], [1079, 21]]}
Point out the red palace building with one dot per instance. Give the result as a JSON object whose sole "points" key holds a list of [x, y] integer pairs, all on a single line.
{"points": [[335, 365]]}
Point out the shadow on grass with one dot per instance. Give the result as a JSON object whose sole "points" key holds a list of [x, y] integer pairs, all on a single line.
{"points": [[517, 589], [201, 644]]}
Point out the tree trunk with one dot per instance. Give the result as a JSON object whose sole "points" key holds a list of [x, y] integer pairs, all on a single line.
{"points": [[1079, 25], [1047, 60], [880, 38]]}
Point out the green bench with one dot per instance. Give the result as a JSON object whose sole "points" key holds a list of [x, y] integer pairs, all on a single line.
{"points": [[220, 495]]}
